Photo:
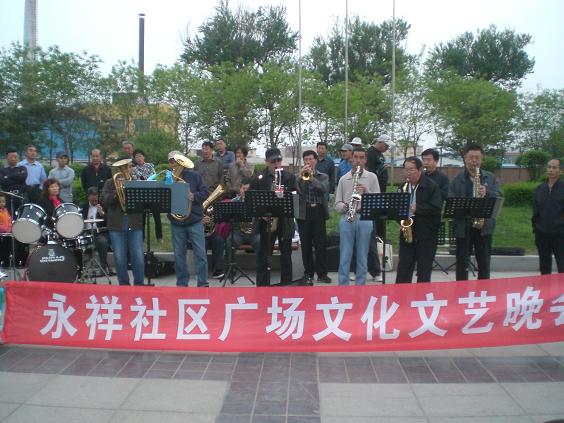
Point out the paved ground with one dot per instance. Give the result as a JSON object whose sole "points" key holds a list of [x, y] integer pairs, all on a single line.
{"points": [[509, 384]]}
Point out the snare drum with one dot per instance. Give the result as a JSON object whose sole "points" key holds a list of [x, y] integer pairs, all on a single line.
{"points": [[52, 263], [28, 226], [68, 220], [83, 243]]}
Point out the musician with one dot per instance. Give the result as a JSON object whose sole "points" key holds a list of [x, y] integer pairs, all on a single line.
{"points": [[222, 154], [356, 231], [12, 180], [35, 173], [244, 232], [125, 229], [345, 165], [430, 159], [91, 210], [95, 173], [171, 162], [265, 181], [210, 169], [481, 239], [5, 228], [239, 170], [548, 218], [313, 189], [325, 164], [191, 230], [425, 211], [65, 175], [50, 199]]}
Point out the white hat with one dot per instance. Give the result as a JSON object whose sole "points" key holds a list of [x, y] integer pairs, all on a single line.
{"points": [[356, 141], [385, 139]]}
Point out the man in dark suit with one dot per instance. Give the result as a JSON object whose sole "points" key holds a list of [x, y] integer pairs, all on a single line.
{"points": [[313, 188], [264, 181], [92, 209], [425, 212], [430, 159]]}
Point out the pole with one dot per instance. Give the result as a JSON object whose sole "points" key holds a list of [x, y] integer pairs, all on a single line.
{"points": [[393, 84], [299, 149], [141, 54], [346, 71]]}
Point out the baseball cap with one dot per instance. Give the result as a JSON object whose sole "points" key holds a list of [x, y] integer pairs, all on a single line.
{"points": [[385, 139], [346, 147], [356, 141], [62, 154]]}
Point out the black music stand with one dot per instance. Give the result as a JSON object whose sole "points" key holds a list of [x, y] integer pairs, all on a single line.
{"points": [[469, 208], [268, 204], [441, 240], [145, 196], [386, 206], [232, 212]]}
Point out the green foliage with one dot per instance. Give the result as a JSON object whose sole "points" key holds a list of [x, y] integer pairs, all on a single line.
{"points": [[491, 55], [77, 167], [519, 194], [534, 161], [491, 164], [156, 145], [259, 167], [78, 194]]}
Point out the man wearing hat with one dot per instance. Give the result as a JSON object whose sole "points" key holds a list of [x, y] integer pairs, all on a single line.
{"points": [[65, 175], [346, 160], [265, 181]]}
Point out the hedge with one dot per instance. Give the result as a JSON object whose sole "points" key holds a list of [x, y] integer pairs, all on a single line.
{"points": [[519, 194]]}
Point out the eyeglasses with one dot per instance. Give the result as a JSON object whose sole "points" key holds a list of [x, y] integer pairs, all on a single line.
{"points": [[274, 160]]}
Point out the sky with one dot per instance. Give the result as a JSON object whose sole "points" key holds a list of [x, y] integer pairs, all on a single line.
{"points": [[109, 28]]}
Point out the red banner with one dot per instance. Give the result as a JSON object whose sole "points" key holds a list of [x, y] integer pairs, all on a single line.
{"points": [[365, 318]]}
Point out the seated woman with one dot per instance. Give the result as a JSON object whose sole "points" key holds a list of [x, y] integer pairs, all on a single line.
{"points": [[49, 199]]}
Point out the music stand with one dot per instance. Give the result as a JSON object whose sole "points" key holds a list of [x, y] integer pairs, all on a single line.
{"points": [[441, 240], [268, 204], [386, 206], [232, 212], [143, 196], [469, 208]]}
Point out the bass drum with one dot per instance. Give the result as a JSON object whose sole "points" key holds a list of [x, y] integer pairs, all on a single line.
{"points": [[69, 222], [52, 263], [29, 223]]}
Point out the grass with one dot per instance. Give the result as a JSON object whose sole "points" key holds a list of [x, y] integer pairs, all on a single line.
{"points": [[513, 230]]}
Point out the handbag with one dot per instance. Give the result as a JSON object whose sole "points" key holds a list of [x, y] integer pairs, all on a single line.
{"points": [[389, 255]]}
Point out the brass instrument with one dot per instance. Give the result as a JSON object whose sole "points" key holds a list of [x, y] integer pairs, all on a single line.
{"points": [[209, 227], [478, 222], [306, 175], [355, 197], [122, 172], [406, 225], [181, 163]]}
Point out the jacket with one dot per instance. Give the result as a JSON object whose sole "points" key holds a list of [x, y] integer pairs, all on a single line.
{"points": [[114, 213], [428, 206], [65, 176], [91, 177], [200, 192], [461, 186], [375, 163], [548, 209], [319, 183]]}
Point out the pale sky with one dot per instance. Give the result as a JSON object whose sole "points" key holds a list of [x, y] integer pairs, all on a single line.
{"points": [[109, 28]]}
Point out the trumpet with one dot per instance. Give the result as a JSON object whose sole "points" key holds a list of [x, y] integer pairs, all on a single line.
{"points": [[306, 175], [122, 172]]}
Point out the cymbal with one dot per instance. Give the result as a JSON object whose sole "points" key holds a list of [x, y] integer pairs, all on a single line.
{"points": [[93, 220], [11, 194]]}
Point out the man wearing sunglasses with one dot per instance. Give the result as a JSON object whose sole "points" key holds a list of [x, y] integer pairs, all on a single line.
{"points": [[265, 181]]}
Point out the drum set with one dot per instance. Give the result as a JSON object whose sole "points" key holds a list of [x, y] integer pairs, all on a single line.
{"points": [[62, 252]]}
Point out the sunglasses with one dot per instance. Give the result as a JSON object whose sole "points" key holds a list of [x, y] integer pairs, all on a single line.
{"points": [[274, 160]]}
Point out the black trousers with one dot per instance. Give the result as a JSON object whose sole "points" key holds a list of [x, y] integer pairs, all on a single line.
{"points": [[420, 252], [285, 246], [482, 250], [373, 262], [547, 245], [313, 234]]}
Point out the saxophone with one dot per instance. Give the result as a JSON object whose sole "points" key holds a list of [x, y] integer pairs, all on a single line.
{"points": [[279, 192], [122, 172], [477, 223], [355, 197], [406, 225], [209, 228]]}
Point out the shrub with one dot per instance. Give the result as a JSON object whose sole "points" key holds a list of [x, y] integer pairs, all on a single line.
{"points": [[519, 194], [491, 164], [78, 194], [534, 161]]}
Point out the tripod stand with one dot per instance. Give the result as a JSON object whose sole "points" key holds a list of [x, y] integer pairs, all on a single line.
{"points": [[91, 268]]}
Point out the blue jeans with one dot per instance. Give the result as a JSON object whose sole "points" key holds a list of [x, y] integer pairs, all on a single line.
{"points": [[131, 241], [180, 237], [350, 234]]}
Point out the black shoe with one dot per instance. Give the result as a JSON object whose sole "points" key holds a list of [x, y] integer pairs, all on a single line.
{"points": [[306, 281], [324, 279], [110, 272], [218, 274]]}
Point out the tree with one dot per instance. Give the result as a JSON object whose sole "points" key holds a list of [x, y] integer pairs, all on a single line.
{"points": [[541, 124], [472, 110], [370, 51], [242, 38], [492, 55], [534, 161]]}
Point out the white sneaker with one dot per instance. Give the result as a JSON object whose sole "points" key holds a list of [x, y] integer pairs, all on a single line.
{"points": [[377, 278], [352, 276]]}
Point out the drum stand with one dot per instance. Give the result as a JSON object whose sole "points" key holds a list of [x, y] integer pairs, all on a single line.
{"points": [[91, 267]]}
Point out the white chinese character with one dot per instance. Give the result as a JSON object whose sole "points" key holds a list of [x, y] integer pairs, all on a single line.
{"points": [[428, 322], [293, 320], [477, 313], [385, 315], [558, 309], [333, 325], [103, 321], [60, 316], [197, 317], [241, 305], [141, 320], [525, 307]]}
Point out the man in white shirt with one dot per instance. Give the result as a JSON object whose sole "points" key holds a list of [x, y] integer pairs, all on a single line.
{"points": [[93, 210]]}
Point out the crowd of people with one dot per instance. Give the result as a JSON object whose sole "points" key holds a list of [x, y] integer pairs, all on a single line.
{"points": [[223, 175]]}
